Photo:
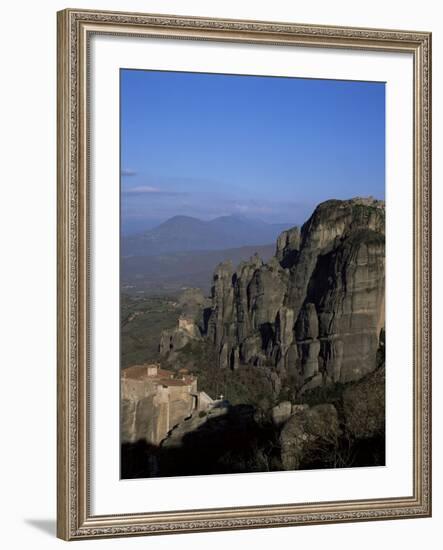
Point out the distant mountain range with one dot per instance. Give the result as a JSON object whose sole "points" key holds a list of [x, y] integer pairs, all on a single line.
{"points": [[185, 234]]}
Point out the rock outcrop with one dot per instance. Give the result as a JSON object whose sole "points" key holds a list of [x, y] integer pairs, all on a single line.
{"points": [[176, 338], [364, 406], [308, 432], [193, 423], [191, 303], [281, 412], [315, 311]]}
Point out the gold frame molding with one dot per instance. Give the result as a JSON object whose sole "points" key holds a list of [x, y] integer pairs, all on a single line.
{"points": [[74, 519]]}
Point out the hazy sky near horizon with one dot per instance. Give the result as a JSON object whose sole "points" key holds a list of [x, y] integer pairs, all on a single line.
{"points": [[269, 148]]}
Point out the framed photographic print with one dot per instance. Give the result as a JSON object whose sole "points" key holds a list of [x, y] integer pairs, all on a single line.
{"points": [[243, 274]]}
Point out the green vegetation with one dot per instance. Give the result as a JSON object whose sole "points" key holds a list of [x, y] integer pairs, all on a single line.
{"points": [[143, 318], [169, 274], [248, 385], [366, 210], [332, 394], [142, 321], [362, 213]]}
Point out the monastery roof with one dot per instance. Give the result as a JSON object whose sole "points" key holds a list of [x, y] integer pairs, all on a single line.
{"points": [[173, 382], [164, 373], [141, 371], [136, 372]]}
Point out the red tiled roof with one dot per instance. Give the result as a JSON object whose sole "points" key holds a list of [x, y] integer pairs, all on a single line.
{"points": [[165, 373], [136, 372], [171, 382]]}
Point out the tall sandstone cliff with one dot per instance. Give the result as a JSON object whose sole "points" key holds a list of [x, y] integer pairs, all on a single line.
{"points": [[315, 311]]}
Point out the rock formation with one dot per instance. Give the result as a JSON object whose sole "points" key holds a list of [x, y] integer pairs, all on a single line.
{"points": [[191, 303], [176, 338], [364, 406], [281, 412], [315, 311], [309, 431]]}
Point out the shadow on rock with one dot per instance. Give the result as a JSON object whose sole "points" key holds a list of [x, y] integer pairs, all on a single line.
{"points": [[232, 442]]}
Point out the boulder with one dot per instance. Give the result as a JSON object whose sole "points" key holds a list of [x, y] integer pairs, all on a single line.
{"points": [[364, 406], [281, 413], [308, 432]]}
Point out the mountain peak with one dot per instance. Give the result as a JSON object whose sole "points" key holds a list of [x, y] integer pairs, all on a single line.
{"points": [[185, 233], [180, 218]]}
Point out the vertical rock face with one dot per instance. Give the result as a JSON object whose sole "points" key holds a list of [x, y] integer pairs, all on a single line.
{"points": [[153, 403], [316, 309], [288, 245]]}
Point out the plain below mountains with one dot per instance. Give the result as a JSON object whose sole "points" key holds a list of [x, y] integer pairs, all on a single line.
{"points": [[171, 273], [185, 234]]}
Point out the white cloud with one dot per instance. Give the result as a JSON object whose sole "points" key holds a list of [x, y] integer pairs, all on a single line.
{"points": [[150, 190]]}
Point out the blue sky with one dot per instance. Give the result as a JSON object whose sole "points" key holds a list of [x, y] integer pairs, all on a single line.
{"points": [[208, 145]]}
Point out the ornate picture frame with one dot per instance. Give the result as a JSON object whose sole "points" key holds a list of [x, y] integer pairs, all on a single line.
{"points": [[74, 516]]}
